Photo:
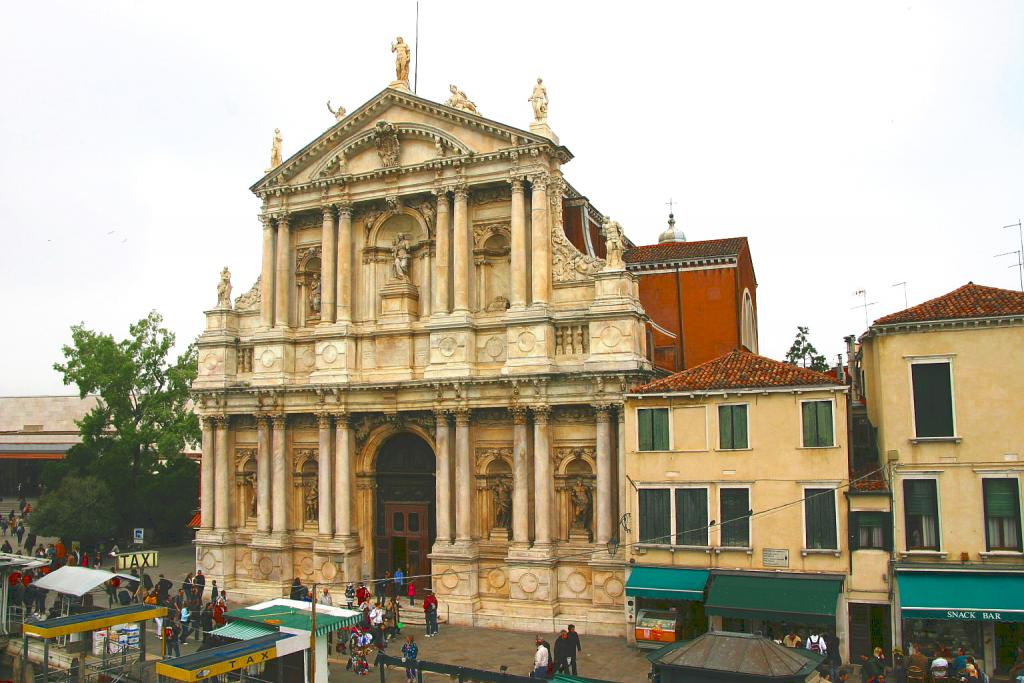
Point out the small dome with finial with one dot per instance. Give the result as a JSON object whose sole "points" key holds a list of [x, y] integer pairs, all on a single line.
{"points": [[672, 234]]}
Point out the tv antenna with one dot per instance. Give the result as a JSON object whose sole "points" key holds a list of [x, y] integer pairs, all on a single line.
{"points": [[1019, 265], [904, 285], [416, 51], [863, 293]]}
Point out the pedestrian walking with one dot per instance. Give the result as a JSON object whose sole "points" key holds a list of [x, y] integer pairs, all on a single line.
{"points": [[562, 656], [199, 582], [350, 596], [541, 659], [214, 591], [163, 590], [206, 620], [409, 654], [188, 586], [411, 592], [362, 594], [185, 617], [430, 613], [399, 580], [172, 632], [575, 648], [20, 532]]}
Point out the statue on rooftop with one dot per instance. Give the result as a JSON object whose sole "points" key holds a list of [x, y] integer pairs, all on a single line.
{"points": [[458, 100], [402, 57], [224, 289], [539, 100]]}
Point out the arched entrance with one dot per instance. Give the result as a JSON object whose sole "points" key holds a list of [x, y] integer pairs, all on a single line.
{"points": [[404, 519]]}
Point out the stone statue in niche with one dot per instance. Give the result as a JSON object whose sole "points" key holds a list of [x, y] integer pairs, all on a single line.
{"points": [[458, 100], [539, 100], [429, 213], [311, 501], [502, 504], [613, 242], [224, 289], [314, 293], [250, 486], [250, 299], [402, 58], [401, 257], [582, 505]]}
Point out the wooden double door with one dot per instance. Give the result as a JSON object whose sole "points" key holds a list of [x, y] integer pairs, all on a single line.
{"points": [[405, 542]]}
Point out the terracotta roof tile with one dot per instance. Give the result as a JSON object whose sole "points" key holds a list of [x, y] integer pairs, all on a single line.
{"points": [[685, 251], [740, 369], [969, 301]]}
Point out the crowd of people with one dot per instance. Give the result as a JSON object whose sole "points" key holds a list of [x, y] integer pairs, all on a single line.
{"points": [[563, 658]]}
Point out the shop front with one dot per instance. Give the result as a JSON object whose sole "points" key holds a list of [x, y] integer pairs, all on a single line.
{"points": [[774, 604], [981, 611], [665, 605]]}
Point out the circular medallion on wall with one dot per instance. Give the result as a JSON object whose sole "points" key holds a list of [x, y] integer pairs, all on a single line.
{"points": [[266, 565], [329, 354], [576, 582], [267, 358], [494, 347], [306, 565], [526, 341], [446, 347], [613, 587], [529, 583], [308, 358], [210, 361], [328, 570], [209, 561], [245, 559], [450, 579], [496, 578], [611, 336]]}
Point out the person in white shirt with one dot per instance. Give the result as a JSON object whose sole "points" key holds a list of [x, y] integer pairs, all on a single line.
{"points": [[541, 660], [816, 643], [376, 623]]}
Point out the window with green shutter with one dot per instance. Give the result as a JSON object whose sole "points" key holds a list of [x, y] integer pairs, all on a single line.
{"points": [[692, 517], [820, 519], [652, 429], [933, 399], [655, 515], [921, 514], [1002, 514], [817, 424], [870, 530], [735, 517], [732, 427]]}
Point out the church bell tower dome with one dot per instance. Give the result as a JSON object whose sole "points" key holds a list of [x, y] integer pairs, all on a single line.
{"points": [[672, 233]]}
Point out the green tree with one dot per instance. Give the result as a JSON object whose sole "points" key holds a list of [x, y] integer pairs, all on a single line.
{"points": [[81, 508], [803, 354], [133, 439]]}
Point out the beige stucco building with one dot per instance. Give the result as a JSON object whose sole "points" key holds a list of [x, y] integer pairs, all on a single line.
{"points": [[428, 374], [943, 383], [707, 447]]}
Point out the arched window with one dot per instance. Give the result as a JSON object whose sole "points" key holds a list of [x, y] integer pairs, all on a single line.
{"points": [[748, 322]]}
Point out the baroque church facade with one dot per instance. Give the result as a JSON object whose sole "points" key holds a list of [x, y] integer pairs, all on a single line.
{"points": [[428, 373]]}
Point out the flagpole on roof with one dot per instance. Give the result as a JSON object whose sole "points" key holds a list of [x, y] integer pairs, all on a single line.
{"points": [[416, 50]]}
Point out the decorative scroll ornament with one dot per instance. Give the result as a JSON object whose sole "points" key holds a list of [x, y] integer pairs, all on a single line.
{"points": [[567, 263], [386, 137], [251, 299]]}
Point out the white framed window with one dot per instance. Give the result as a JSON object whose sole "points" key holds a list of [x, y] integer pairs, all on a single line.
{"points": [[821, 518], [817, 423], [733, 426], [670, 515], [652, 429], [931, 397]]}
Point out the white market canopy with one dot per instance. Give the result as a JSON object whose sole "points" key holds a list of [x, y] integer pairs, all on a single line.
{"points": [[77, 580]]}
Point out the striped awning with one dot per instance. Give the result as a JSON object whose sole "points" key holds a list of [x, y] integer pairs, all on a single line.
{"points": [[196, 521], [243, 630]]}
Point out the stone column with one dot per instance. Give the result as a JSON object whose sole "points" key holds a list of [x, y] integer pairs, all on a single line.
{"points": [[279, 522], [520, 478], [342, 476], [328, 266], [603, 494], [344, 263], [207, 475], [463, 478], [444, 476], [263, 474], [441, 249], [222, 477], [267, 274], [541, 234], [325, 496], [282, 292], [543, 483], [519, 248], [460, 251], [623, 506]]}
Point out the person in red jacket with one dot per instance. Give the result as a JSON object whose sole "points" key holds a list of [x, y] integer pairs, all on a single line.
{"points": [[430, 612]]}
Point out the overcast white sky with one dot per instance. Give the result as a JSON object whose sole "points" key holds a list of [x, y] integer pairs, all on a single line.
{"points": [[857, 145]]}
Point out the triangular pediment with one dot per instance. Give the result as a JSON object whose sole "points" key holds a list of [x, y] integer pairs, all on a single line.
{"points": [[395, 130]]}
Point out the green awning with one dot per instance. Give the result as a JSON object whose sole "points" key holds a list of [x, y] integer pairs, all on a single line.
{"points": [[275, 615], [965, 596], [667, 583], [810, 600], [243, 630]]}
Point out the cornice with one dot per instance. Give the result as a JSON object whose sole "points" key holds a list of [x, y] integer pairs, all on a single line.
{"points": [[939, 325]]}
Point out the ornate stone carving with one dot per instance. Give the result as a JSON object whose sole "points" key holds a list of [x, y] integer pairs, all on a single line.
{"points": [[613, 244], [568, 264], [311, 502], [305, 254], [582, 505], [386, 138], [483, 454], [429, 213], [339, 113], [575, 414], [402, 58], [492, 195], [314, 293], [497, 304], [539, 100], [458, 100], [224, 289], [400, 250], [563, 453], [250, 299], [502, 491], [483, 231]]}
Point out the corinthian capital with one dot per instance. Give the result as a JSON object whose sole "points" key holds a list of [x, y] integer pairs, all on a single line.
{"points": [[461, 192], [539, 182], [344, 209]]}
